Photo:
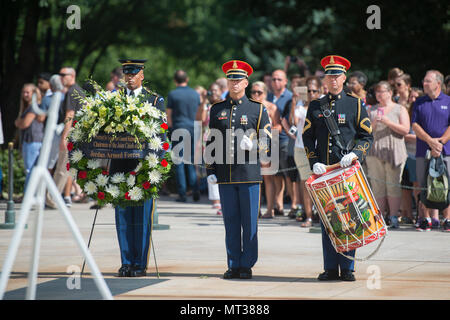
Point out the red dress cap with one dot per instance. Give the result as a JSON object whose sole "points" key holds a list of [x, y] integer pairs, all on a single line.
{"points": [[236, 69], [335, 64]]}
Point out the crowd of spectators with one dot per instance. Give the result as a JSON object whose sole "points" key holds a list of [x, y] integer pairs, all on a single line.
{"points": [[409, 124]]}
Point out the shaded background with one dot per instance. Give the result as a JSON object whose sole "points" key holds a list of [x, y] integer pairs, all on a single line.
{"points": [[199, 35]]}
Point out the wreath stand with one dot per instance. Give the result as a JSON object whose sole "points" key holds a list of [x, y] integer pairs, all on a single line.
{"points": [[40, 180], [92, 231]]}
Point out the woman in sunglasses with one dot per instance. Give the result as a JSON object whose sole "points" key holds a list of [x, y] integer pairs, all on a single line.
{"points": [[259, 93], [298, 116]]}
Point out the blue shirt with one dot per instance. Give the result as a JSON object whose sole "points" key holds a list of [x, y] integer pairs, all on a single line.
{"points": [[45, 105], [184, 102], [284, 98], [434, 118]]}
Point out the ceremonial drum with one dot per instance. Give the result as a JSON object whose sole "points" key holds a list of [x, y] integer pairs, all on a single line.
{"points": [[346, 207]]}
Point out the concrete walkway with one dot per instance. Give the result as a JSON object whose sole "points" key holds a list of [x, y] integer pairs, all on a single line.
{"points": [[191, 259]]}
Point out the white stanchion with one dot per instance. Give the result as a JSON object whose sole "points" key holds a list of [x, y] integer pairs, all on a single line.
{"points": [[40, 181]]}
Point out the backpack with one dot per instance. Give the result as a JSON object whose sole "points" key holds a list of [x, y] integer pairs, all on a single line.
{"points": [[436, 195]]}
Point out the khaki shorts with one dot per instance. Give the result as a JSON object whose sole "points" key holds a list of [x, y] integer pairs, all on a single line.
{"points": [[302, 163], [384, 179]]}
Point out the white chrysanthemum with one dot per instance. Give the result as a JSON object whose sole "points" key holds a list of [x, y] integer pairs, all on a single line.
{"points": [[102, 180], [154, 176], [90, 188], [155, 144], [73, 173], [139, 167], [153, 128], [131, 180], [118, 177], [154, 113], [76, 134], [135, 194], [93, 164], [76, 156], [152, 159], [113, 190]]}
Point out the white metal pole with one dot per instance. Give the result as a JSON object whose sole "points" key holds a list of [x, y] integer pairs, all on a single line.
{"points": [[32, 276], [100, 282]]}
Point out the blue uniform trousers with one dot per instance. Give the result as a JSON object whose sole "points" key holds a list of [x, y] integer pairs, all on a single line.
{"points": [[134, 228], [240, 207], [333, 260]]}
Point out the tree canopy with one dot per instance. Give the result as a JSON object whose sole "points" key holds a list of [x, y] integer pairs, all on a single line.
{"points": [[199, 35]]}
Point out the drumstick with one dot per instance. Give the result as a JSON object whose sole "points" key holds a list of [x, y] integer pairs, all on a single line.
{"points": [[337, 165]]}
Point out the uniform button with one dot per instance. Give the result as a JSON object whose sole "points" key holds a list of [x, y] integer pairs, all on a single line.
{"points": [[331, 144], [329, 151], [232, 120], [240, 101]]}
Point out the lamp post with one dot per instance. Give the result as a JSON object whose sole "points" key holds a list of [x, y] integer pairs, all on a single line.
{"points": [[10, 214]]}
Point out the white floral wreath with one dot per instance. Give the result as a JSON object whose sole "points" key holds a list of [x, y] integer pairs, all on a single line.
{"points": [[115, 113]]}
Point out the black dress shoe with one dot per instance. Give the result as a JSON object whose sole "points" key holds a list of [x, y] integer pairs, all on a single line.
{"points": [[181, 199], [278, 212], [196, 196], [328, 275], [231, 274], [124, 271], [138, 272], [245, 273], [347, 275]]}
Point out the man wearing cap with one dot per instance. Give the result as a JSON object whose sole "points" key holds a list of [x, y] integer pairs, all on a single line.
{"points": [[352, 139], [134, 224], [244, 128]]}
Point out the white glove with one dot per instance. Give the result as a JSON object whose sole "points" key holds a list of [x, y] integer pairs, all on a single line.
{"points": [[212, 179], [319, 168], [347, 159], [246, 143]]}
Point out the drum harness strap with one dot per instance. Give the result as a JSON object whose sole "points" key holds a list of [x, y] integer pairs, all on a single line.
{"points": [[334, 129]]}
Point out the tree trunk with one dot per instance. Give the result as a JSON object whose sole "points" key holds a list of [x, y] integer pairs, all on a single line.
{"points": [[24, 69], [9, 13]]}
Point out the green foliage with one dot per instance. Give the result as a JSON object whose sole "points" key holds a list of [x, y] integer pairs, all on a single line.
{"points": [[18, 169], [200, 35]]}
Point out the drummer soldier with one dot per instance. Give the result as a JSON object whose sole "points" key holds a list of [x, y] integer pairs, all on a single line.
{"points": [[134, 224], [239, 179], [352, 139]]}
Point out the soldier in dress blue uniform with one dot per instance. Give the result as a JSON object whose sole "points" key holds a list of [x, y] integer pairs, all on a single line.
{"points": [[134, 224], [239, 177], [323, 149]]}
